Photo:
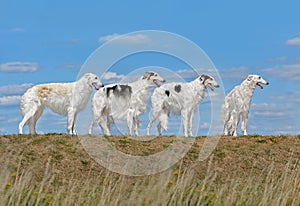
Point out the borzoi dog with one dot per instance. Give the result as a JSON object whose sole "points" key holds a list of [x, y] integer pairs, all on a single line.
{"points": [[61, 98], [237, 104], [180, 99], [119, 100]]}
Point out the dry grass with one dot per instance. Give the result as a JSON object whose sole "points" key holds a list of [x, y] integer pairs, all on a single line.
{"points": [[55, 170]]}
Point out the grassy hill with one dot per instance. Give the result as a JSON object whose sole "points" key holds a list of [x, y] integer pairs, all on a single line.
{"points": [[54, 169]]}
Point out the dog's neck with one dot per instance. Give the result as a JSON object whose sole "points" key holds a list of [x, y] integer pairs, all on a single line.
{"points": [[249, 88], [81, 87], [249, 84], [140, 84], [198, 88]]}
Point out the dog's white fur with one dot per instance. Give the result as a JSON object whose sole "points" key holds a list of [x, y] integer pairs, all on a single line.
{"points": [[61, 98], [180, 99], [117, 100], [237, 104]]}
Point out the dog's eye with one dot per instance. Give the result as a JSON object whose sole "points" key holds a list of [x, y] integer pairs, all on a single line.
{"points": [[259, 77], [155, 75], [96, 77]]}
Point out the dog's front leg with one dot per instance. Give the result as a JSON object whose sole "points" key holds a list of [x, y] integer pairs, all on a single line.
{"points": [[130, 120], [71, 120], [244, 124], [190, 125], [185, 115], [136, 125]]}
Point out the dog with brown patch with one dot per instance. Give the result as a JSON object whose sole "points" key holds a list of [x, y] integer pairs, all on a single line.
{"points": [[62, 98]]}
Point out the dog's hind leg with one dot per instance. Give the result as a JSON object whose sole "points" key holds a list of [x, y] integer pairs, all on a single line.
{"points": [[30, 111], [153, 118], [226, 119], [24, 121], [92, 125], [103, 126], [33, 120], [163, 122]]}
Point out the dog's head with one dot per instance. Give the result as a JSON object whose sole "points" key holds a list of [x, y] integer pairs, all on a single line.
{"points": [[93, 80], [257, 80], [208, 82], [153, 78]]}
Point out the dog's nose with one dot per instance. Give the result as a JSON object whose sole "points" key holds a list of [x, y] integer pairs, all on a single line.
{"points": [[267, 83], [217, 86]]}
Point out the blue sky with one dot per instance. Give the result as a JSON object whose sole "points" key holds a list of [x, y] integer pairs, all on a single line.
{"points": [[48, 41]]}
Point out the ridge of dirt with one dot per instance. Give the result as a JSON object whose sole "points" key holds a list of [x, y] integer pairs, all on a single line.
{"points": [[238, 155]]}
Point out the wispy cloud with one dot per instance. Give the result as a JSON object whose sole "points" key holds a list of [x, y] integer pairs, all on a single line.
{"points": [[272, 111], [293, 41], [291, 72], [277, 59], [126, 39], [291, 97], [70, 66], [235, 72], [194, 73], [15, 67], [72, 41], [10, 100], [16, 30], [14, 89]]}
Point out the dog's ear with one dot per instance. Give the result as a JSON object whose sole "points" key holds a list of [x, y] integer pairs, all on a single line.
{"points": [[250, 77], [202, 78], [147, 75]]}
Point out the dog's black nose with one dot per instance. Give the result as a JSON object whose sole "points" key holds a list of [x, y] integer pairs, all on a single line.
{"points": [[267, 83]]}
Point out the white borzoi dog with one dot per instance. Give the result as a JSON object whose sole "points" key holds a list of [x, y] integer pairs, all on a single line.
{"points": [[61, 98], [237, 104], [179, 99], [118, 100]]}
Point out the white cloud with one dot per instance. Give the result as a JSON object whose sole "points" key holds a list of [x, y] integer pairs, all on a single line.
{"points": [[14, 89], [293, 42], [205, 125], [71, 66], [2, 130], [13, 120], [291, 72], [126, 39], [290, 97], [272, 111], [112, 75], [13, 67], [10, 100], [277, 59], [235, 72], [17, 30], [194, 73], [72, 41]]}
